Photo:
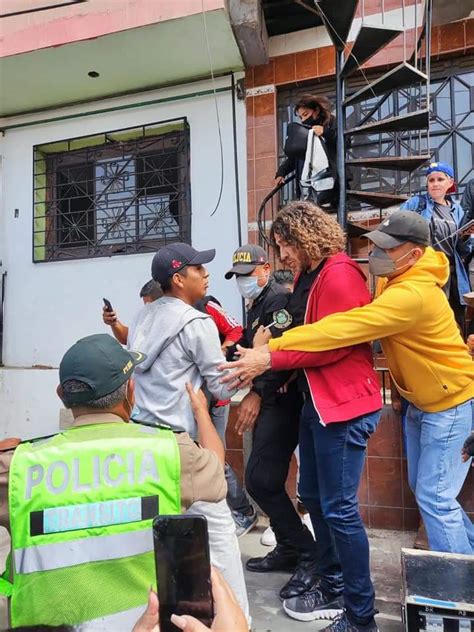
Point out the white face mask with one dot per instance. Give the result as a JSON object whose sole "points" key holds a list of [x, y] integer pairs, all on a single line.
{"points": [[249, 287]]}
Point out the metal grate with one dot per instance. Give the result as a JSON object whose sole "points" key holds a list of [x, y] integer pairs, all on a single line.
{"points": [[120, 192]]}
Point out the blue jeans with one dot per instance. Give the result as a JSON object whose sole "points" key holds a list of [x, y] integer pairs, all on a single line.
{"points": [[436, 474], [331, 463]]}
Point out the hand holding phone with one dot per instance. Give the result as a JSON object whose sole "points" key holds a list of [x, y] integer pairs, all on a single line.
{"points": [[229, 615], [183, 570], [108, 305]]}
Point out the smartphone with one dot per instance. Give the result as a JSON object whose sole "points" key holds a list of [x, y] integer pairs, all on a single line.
{"points": [[108, 305], [183, 569]]}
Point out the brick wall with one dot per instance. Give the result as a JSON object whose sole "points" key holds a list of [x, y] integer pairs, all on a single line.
{"points": [[386, 501]]}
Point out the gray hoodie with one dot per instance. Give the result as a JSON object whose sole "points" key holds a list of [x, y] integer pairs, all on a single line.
{"points": [[182, 345]]}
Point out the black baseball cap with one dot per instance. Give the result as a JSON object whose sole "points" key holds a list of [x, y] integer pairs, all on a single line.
{"points": [[100, 362], [245, 259], [174, 257], [400, 227]]}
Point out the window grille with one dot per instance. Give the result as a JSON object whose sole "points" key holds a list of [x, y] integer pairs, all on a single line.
{"points": [[120, 192]]}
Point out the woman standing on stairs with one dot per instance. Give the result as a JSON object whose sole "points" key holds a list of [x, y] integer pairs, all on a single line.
{"points": [[314, 111], [445, 217]]}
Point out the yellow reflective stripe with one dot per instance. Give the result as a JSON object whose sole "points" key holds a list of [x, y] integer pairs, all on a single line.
{"points": [[47, 557]]}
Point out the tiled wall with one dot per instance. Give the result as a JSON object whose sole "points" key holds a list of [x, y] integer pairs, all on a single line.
{"points": [[386, 500]]}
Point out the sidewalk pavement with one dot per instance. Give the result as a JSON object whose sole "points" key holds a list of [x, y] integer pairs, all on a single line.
{"points": [[265, 605]]}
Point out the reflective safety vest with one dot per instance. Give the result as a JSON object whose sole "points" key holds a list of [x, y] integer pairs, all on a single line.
{"points": [[81, 506]]}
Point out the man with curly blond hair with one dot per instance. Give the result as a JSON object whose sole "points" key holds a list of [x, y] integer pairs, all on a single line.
{"points": [[428, 362], [341, 410]]}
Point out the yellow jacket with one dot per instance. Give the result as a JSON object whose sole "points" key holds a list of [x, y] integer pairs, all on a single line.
{"points": [[411, 317]]}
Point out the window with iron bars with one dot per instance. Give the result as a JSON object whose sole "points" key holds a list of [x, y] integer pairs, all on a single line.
{"points": [[120, 192]]}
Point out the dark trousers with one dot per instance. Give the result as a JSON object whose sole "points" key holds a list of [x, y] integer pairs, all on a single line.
{"points": [[275, 438], [331, 463], [236, 497]]}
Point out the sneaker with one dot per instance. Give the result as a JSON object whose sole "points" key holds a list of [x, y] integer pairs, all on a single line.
{"points": [[342, 624], [268, 537], [313, 604], [306, 520], [244, 523]]}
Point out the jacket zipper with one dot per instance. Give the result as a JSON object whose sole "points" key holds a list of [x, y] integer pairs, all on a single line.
{"points": [[304, 370]]}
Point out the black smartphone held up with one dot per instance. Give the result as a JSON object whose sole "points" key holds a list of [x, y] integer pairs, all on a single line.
{"points": [[108, 305], [183, 570]]}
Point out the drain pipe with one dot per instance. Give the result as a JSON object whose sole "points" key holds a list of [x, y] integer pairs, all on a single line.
{"points": [[237, 179], [341, 150]]}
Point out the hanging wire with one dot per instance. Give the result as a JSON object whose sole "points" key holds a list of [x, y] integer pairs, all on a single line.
{"points": [[346, 48], [211, 68]]}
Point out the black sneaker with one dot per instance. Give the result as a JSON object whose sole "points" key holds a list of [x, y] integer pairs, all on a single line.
{"points": [[313, 604], [342, 624]]}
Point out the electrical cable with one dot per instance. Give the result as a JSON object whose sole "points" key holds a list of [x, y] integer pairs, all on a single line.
{"points": [[221, 148]]}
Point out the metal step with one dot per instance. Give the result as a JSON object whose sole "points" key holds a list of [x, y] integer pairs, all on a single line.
{"points": [[369, 40], [402, 76], [397, 163], [406, 122], [354, 230], [337, 18], [379, 200]]}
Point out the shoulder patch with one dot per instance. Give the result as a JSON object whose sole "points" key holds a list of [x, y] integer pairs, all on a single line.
{"points": [[282, 319]]}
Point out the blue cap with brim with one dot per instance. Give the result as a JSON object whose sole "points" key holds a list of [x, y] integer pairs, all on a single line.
{"points": [[443, 167]]}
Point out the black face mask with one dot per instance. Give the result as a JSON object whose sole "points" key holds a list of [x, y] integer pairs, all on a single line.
{"points": [[310, 121]]}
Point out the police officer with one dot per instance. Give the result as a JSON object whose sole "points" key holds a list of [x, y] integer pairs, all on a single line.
{"points": [[81, 502], [274, 417]]}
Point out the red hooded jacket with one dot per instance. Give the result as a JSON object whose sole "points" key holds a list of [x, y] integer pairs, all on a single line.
{"points": [[342, 382]]}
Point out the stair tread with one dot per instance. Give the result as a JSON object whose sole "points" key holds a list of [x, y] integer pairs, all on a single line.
{"points": [[380, 200], [354, 230], [339, 15], [402, 76], [369, 40], [412, 121], [399, 163]]}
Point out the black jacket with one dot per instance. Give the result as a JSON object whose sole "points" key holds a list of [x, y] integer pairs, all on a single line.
{"points": [[262, 312], [296, 162], [467, 202]]}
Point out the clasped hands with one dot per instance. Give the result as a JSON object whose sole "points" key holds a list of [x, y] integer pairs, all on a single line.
{"points": [[251, 362]]}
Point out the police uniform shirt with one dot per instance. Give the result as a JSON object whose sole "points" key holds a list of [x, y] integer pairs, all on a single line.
{"points": [[269, 307], [202, 474], [264, 309]]}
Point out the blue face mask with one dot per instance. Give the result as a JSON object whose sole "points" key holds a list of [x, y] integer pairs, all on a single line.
{"points": [[249, 287]]}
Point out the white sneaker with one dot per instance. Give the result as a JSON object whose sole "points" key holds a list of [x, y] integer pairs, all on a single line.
{"points": [[268, 537], [306, 520]]}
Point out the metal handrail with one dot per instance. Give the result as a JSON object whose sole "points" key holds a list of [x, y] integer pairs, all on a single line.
{"points": [[261, 211]]}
